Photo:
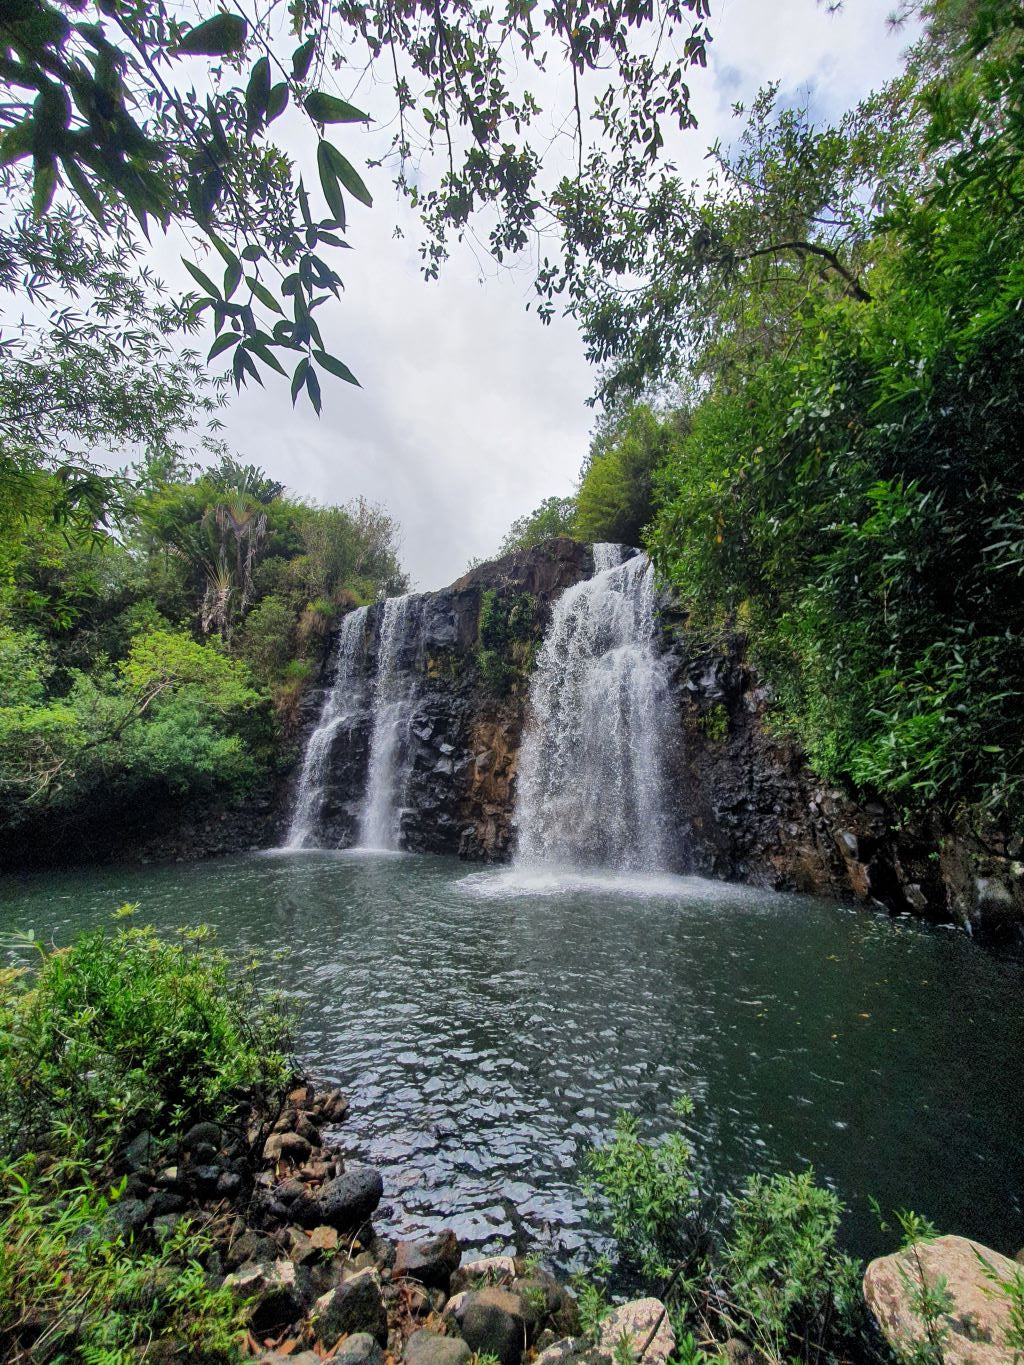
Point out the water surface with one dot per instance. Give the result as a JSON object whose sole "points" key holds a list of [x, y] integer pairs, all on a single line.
{"points": [[488, 1026]]}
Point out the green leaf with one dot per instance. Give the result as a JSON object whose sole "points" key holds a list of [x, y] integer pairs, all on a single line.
{"points": [[232, 276], [329, 183], [43, 186], [264, 295], [217, 37], [335, 366], [267, 356], [302, 59], [223, 343], [257, 94], [252, 253], [323, 108], [16, 142], [80, 185], [347, 174], [278, 101], [313, 389], [202, 280], [299, 378]]}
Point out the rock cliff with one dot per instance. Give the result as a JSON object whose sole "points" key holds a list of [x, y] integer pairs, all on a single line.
{"points": [[744, 806]]}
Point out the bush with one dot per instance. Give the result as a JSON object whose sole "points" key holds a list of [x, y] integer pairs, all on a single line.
{"points": [[127, 1031], [769, 1269], [793, 1293], [651, 1198], [73, 1287]]}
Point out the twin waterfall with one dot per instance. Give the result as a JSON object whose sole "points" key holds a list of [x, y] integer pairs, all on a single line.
{"points": [[590, 780]]}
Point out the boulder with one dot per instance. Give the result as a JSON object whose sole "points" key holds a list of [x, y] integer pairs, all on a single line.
{"points": [[432, 1262], [573, 1351], [350, 1198], [202, 1135], [976, 1325], [250, 1247], [487, 1270], [635, 1321], [428, 1348], [549, 1304], [279, 1292], [140, 1153], [358, 1349], [355, 1305], [493, 1322]]}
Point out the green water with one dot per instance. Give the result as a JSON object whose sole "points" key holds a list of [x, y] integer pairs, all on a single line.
{"points": [[489, 1028]]}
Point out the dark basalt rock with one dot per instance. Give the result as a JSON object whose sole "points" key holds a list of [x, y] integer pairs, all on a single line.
{"points": [[347, 1200]]}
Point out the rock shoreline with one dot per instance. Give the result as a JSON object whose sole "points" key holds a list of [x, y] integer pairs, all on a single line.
{"points": [[290, 1223]]}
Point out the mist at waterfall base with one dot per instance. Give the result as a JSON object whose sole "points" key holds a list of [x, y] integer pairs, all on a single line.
{"points": [[487, 1038]]}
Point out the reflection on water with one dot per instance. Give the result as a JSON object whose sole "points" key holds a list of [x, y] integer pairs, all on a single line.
{"points": [[489, 1025]]}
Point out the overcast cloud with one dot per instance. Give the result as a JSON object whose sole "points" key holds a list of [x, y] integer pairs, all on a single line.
{"points": [[471, 411]]}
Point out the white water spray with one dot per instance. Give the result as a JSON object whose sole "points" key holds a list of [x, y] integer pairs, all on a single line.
{"points": [[591, 790], [379, 825], [342, 705]]}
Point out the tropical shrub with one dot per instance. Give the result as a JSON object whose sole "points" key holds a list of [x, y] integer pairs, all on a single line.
{"points": [[127, 1031]]}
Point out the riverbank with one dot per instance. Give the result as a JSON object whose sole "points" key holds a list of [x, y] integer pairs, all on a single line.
{"points": [[170, 1192]]}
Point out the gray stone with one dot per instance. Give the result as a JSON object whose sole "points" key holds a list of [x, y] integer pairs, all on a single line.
{"points": [[432, 1262], [228, 1184], [351, 1197], [428, 1348], [127, 1215], [279, 1290], [573, 1351], [493, 1322], [486, 1270], [140, 1152], [355, 1305], [250, 1247], [202, 1135], [978, 1322], [358, 1349], [635, 1321]]}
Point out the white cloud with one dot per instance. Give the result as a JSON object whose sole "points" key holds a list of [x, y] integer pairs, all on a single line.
{"points": [[471, 412]]}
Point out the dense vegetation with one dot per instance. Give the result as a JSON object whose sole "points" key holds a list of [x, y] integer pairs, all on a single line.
{"points": [[164, 656], [841, 472], [758, 1274], [121, 1038]]}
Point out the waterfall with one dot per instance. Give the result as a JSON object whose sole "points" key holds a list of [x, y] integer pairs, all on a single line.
{"points": [[591, 785], [392, 713], [341, 705]]}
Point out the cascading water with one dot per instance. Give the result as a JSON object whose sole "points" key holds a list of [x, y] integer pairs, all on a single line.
{"points": [[342, 705], [591, 790], [392, 713]]}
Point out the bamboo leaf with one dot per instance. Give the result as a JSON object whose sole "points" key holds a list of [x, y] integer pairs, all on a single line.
{"points": [[336, 366]]}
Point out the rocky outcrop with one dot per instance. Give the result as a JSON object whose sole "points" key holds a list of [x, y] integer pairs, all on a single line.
{"points": [[970, 1317], [744, 804]]}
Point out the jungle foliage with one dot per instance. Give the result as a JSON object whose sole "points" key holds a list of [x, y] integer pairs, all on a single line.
{"points": [[840, 307], [163, 657], [121, 1038]]}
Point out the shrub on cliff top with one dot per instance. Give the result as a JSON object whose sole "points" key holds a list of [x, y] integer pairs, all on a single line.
{"points": [[125, 1031]]}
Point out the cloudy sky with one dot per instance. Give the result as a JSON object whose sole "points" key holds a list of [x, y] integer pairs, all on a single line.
{"points": [[471, 412]]}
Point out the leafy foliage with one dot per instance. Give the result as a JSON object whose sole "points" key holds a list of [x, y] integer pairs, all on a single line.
{"points": [[795, 1295], [616, 495], [767, 1269], [128, 1031], [73, 1286], [508, 639], [554, 517], [849, 476]]}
